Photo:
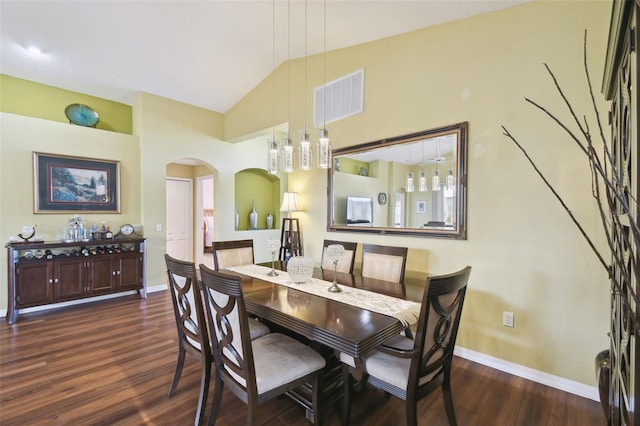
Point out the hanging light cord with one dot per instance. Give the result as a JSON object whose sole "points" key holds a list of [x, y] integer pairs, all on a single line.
{"points": [[324, 71], [273, 79]]}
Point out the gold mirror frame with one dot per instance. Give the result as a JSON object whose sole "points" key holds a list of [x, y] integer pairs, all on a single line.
{"points": [[370, 179]]}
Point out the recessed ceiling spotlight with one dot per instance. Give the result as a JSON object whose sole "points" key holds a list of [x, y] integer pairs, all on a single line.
{"points": [[34, 50]]}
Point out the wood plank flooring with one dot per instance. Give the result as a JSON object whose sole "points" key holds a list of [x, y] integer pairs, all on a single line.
{"points": [[111, 363]]}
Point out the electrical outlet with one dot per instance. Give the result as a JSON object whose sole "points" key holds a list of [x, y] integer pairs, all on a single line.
{"points": [[507, 319], [159, 227]]}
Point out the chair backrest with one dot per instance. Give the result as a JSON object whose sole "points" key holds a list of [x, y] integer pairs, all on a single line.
{"points": [[232, 253], [187, 303], [437, 329], [229, 327], [346, 263], [384, 262]]}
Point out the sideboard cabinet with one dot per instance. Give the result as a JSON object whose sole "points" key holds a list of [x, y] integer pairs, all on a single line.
{"points": [[53, 272]]}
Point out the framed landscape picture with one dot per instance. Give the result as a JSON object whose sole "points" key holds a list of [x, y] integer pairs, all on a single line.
{"points": [[64, 184]]}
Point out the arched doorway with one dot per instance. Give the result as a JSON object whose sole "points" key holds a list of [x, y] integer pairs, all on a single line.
{"points": [[190, 210]]}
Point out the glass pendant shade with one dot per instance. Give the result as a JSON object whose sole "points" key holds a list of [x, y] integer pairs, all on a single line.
{"points": [[305, 152], [287, 155], [409, 182], [451, 180], [324, 150], [436, 181], [422, 182], [272, 156]]}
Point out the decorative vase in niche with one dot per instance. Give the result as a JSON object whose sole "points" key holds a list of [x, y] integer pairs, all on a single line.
{"points": [[269, 220], [300, 269], [253, 216], [237, 220]]}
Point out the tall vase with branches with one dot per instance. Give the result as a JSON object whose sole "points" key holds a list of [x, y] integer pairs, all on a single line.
{"points": [[614, 194]]}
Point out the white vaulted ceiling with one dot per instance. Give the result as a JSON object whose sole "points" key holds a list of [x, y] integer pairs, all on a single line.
{"points": [[205, 53]]}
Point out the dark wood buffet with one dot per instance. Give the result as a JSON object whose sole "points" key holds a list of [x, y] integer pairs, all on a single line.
{"points": [[41, 273]]}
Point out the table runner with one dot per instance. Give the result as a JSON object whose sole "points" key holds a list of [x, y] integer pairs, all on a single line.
{"points": [[406, 311]]}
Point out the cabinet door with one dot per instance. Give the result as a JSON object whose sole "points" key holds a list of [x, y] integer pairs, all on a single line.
{"points": [[129, 271], [34, 283], [69, 278], [101, 275]]}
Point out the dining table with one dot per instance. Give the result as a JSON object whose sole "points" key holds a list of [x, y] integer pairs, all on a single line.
{"points": [[325, 318]]}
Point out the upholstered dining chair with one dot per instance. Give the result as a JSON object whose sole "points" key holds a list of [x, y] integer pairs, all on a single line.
{"points": [[193, 335], [346, 263], [232, 253], [254, 370], [236, 253], [411, 368], [384, 262]]}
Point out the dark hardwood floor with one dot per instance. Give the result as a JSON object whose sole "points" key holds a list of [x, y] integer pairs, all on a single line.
{"points": [[111, 363]]}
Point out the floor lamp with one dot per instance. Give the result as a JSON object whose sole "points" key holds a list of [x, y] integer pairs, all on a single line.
{"points": [[291, 235]]}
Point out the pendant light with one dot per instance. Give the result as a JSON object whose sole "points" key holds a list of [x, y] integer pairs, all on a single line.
{"points": [[288, 153], [324, 145], [305, 153], [436, 178], [422, 182], [273, 149], [409, 184], [422, 179], [409, 187], [451, 180]]}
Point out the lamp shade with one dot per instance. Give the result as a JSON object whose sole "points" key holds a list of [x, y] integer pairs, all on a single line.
{"points": [[290, 202]]}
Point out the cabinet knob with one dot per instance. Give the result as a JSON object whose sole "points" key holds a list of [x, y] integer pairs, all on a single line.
{"points": [[113, 273], [118, 272], [55, 281], [50, 281]]}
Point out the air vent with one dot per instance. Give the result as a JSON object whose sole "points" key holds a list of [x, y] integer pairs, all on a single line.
{"points": [[344, 97]]}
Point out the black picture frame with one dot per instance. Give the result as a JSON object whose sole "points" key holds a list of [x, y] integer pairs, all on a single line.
{"points": [[67, 184]]}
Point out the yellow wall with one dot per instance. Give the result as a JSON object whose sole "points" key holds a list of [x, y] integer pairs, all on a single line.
{"points": [[18, 96], [527, 256]]}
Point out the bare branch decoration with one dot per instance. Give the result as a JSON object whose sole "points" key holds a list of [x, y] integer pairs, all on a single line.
{"points": [[612, 197]]}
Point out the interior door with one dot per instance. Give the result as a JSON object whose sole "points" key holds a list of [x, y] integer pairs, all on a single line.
{"points": [[180, 218]]}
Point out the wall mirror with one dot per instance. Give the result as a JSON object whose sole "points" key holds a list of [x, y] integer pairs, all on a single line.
{"points": [[408, 185]]}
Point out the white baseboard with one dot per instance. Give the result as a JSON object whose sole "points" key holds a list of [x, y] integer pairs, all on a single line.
{"points": [[153, 289], [576, 388]]}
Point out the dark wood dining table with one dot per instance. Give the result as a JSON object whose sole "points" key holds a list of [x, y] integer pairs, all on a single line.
{"points": [[339, 326], [327, 323]]}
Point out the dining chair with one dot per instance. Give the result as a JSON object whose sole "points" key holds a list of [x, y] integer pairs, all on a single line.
{"points": [[232, 253], [345, 264], [384, 262], [236, 253], [411, 368], [254, 370], [193, 335]]}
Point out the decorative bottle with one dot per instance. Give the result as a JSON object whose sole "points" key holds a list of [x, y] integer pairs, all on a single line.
{"points": [[253, 216], [269, 220], [237, 219]]}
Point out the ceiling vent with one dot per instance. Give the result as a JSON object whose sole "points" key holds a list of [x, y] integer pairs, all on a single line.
{"points": [[344, 97]]}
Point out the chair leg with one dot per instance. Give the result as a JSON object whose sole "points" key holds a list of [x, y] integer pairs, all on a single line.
{"points": [[316, 396], [178, 372], [204, 390], [346, 394], [448, 399], [410, 408], [217, 400]]}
